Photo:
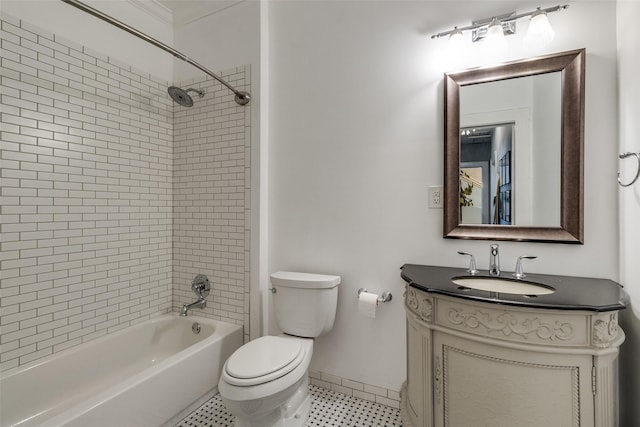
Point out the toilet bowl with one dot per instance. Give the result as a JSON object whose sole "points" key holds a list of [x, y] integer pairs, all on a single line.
{"points": [[265, 383]]}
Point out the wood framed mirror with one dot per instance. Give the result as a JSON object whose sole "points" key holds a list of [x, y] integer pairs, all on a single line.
{"points": [[525, 183]]}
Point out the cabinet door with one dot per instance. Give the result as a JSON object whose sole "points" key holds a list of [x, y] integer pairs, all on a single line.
{"points": [[483, 385], [418, 374]]}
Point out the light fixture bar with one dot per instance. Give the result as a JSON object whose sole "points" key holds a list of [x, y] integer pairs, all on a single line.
{"points": [[506, 18]]}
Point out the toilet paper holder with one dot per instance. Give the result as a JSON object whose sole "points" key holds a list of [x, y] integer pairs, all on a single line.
{"points": [[384, 297]]}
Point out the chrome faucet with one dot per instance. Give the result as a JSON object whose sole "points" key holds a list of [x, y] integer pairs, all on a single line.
{"points": [[519, 273], [494, 261], [472, 270], [201, 303], [201, 287]]}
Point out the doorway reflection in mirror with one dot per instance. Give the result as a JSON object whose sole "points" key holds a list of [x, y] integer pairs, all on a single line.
{"points": [[486, 175]]}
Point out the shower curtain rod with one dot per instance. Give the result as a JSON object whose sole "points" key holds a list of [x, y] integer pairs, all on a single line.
{"points": [[242, 98]]}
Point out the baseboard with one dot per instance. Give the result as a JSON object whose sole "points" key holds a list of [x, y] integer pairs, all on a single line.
{"points": [[357, 389]]}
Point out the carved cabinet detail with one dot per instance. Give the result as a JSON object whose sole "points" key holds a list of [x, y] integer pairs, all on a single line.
{"points": [[480, 364]]}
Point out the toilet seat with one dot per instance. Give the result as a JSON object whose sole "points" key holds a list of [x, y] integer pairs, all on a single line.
{"points": [[263, 360]]}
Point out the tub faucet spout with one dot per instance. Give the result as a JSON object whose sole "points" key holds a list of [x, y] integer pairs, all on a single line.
{"points": [[494, 261], [201, 303]]}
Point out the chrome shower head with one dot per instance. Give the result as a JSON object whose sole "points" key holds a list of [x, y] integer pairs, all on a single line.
{"points": [[182, 97]]}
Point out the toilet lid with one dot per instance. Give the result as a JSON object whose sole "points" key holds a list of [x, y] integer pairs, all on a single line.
{"points": [[263, 360]]}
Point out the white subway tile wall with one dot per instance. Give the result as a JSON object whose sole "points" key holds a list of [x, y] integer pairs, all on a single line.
{"points": [[87, 198], [211, 190]]}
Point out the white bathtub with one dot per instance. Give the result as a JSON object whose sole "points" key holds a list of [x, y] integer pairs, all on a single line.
{"points": [[141, 376]]}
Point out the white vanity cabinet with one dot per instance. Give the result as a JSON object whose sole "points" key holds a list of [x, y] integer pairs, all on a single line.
{"points": [[475, 364]]}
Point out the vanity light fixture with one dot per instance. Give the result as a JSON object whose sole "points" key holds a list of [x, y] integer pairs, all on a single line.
{"points": [[456, 39], [495, 36], [497, 27], [540, 31]]}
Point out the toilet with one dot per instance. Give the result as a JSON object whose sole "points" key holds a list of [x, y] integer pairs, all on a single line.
{"points": [[265, 383]]}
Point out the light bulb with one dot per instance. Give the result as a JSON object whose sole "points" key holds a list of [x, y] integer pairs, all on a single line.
{"points": [[456, 40], [495, 41], [539, 31]]}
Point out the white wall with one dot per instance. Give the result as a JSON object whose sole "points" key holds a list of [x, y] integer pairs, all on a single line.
{"points": [[628, 12], [356, 137], [628, 64], [83, 29], [220, 41]]}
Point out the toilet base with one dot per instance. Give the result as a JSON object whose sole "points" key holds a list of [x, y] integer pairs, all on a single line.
{"points": [[293, 412]]}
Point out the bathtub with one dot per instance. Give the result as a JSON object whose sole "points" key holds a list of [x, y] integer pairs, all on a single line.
{"points": [[141, 376]]}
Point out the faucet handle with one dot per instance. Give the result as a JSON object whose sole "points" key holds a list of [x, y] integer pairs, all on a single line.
{"points": [[201, 286], [519, 273], [472, 263]]}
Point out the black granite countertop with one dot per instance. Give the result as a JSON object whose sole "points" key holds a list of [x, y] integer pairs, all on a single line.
{"points": [[571, 293]]}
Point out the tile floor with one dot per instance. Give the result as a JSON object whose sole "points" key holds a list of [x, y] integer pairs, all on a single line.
{"points": [[328, 408]]}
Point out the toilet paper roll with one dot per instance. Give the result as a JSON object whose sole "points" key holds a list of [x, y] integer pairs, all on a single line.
{"points": [[367, 303]]}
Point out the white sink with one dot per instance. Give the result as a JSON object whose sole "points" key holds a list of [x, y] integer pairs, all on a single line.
{"points": [[503, 286]]}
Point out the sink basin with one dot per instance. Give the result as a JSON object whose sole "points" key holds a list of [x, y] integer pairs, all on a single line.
{"points": [[503, 285]]}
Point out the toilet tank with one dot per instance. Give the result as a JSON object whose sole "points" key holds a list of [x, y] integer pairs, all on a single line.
{"points": [[304, 303]]}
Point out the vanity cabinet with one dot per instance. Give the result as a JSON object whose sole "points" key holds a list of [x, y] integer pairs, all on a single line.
{"points": [[475, 363]]}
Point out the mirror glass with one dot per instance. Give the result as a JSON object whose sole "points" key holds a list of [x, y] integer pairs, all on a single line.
{"points": [[513, 150], [505, 178]]}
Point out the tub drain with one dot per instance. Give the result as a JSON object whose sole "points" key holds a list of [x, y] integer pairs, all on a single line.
{"points": [[195, 328]]}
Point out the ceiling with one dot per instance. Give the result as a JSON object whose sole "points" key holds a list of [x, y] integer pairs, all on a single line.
{"points": [[187, 11]]}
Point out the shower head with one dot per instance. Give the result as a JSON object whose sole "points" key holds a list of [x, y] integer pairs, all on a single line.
{"points": [[182, 97]]}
